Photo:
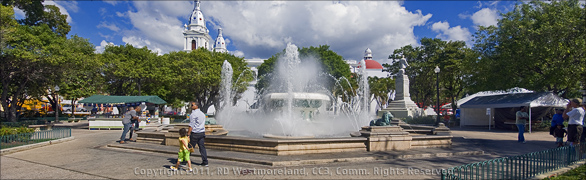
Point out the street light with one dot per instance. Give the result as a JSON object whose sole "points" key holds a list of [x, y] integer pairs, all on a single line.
{"points": [[437, 71], [56, 104]]}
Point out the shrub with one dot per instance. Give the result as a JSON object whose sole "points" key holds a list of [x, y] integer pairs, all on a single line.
{"points": [[421, 120]]}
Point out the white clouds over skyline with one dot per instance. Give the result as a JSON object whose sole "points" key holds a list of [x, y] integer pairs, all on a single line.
{"points": [[485, 17], [259, 29], [448, 33]]}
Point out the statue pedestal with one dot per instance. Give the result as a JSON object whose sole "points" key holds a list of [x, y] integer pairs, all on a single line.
{"points": [[384, 138], [403, 106]]}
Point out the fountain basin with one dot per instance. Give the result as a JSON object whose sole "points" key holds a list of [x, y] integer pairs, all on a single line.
{"points": [[286, 146]]}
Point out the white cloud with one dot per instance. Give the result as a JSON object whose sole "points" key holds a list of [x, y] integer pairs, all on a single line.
{"points": [[113, 3], [457, 33], [119, 14], [139, 43], [238, 53], [263, 28], [102, 46], [485, 17], [260, 29], [112, 27], [70, 5], [102, 11], [18, 13], [62, 10]]}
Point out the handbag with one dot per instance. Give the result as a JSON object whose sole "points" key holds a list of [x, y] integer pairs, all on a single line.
{"points": [[191, 149]]}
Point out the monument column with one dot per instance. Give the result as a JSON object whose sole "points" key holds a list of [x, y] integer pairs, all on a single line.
{"points": [[402, 106]]}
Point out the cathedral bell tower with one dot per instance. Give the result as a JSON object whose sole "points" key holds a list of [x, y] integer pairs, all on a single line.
{"points": [[196, 34]]}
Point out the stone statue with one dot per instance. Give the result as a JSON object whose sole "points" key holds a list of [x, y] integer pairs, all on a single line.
{"points": [[402, 65], [384, 121]]}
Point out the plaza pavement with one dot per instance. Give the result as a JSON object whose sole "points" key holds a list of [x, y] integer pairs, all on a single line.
{"points": [[89, 157]]}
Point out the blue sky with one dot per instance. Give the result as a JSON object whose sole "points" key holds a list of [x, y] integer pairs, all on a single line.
{"points": [[259, 29]]}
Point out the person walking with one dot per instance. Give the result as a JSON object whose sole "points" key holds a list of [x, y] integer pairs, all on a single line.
{"points": [[575, 116], [135, 122], [559, 133], [130, 114], [521, 119], [183, 155], [197, 120]]}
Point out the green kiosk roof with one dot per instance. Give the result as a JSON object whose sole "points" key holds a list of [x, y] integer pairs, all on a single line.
{"points": [[103, 99]]}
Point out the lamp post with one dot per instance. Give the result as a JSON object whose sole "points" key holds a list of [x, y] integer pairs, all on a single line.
{"points": [[56, 104], [437, 70]]}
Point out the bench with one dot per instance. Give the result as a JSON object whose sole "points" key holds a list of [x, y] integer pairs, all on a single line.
{"points": [[43, 126], [109, 123]]}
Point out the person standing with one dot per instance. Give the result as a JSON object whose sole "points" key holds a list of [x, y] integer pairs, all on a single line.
{"points": [[130, 114], [521, 119], [583, 138], [197, 120], [559, 133], [135, 122], [575, 116], [557, 119]]}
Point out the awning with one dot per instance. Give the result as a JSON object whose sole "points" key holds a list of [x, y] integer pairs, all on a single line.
{"points": [[533, 99], [103, 99]]}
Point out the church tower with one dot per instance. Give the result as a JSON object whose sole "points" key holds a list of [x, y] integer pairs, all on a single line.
{"points": [[220, 43], [196, 34]]}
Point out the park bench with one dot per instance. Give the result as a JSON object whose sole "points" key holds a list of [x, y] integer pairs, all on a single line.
{"points": [[109, 123], [41, 127]]}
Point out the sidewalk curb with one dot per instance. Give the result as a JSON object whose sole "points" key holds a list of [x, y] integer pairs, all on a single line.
{"points": [[559, 171], [313, 161], [32, 146]]}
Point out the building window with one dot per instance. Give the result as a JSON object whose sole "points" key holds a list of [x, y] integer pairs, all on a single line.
{"points": [[193, 45]]}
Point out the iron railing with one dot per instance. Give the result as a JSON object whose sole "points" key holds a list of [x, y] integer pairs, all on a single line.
{"points": [[519, 167], [14, 140]]}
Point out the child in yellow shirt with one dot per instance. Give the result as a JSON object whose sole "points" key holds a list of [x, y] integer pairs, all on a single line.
{"points": [[183, 150]]}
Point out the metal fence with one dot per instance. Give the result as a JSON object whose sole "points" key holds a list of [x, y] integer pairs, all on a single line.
{"points": [[519, 167], [14, 140]]}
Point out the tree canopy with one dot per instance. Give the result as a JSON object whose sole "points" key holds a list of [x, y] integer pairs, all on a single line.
{"points": [[196, 76], [328, 60], [538, 46], [449, 56]]}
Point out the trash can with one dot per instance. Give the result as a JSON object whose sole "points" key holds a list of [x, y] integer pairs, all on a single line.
{"points": [[166, 121]]}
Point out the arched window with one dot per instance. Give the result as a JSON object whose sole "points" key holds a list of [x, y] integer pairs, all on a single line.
{"points": [[193, 45]]}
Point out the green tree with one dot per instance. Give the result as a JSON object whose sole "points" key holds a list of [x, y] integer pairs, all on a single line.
{"points": [[331, 63], [449, 56], [196, 76], [539, 46], [81, 76], [131, 71], [380, 87], [32, 56]]}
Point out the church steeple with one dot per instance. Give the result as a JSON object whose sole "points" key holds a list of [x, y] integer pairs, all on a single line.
{"points": [[196, 34], [220, 43], [197, 16]]}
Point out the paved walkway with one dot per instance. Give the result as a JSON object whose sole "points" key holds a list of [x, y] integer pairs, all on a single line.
{"points": [[88, 157]]}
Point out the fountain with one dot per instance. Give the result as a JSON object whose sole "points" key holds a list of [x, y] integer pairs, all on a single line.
{"points": [[298, 115]]}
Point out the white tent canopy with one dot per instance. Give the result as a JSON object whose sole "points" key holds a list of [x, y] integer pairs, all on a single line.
{"points": [[531, 99]]}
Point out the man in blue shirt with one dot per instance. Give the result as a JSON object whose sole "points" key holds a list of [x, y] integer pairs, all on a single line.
{"points": [[556, 120], [126, 122], [197, 121]]}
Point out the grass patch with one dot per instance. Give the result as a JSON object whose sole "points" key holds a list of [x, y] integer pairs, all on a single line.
{"points": [[574, 174]]}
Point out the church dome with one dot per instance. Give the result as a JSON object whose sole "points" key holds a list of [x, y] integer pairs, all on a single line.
{"points": [[372, 64]]}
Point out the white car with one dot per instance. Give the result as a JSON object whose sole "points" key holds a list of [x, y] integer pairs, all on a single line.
{"points": [[67, 108]]}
